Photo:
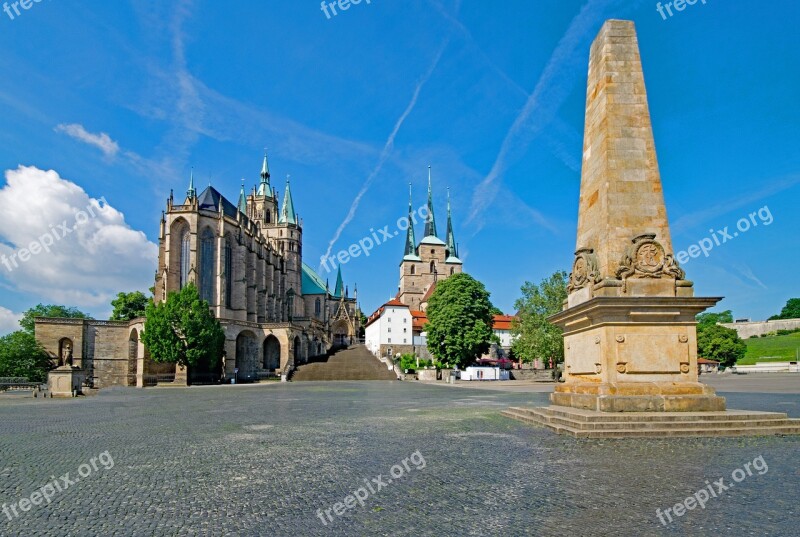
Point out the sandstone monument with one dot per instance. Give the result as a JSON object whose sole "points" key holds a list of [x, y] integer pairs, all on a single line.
{"points": [[630, 341]]}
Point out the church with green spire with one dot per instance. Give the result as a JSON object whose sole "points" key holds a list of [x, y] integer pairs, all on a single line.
{"points": [[430, 260]]}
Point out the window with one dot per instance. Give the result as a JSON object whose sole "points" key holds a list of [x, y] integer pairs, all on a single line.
{"points": [[228, 273], [207, 264], [404, 320], [433, 267], [390, 340], [185, 258], [317, 308], [389, 330], [413, 269], [451, 271], [405, 330], [404, 340]]}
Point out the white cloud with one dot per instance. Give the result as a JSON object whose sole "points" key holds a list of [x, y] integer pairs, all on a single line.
{"points": [[9, 321], [102, 141], [100, 256]]}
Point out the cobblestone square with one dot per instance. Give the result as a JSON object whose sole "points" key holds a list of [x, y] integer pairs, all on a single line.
{"points": [[263, 459]]}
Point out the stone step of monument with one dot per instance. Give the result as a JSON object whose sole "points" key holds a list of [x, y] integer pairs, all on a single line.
{"points": [[590, 415], [587, 424]]}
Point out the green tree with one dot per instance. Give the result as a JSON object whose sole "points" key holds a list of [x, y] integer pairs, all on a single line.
{"points": [[49, 310], [128, 306], [790, 311], [182, 330], [459, 324], [715, 342], [535, 337], [497, 311], [712, 318], [22, 356]]}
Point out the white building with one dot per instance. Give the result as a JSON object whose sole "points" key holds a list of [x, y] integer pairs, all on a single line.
{"points": [[389, 331]]}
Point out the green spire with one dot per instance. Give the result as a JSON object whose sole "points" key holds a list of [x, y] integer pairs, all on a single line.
{"points": [[451, 240], [242, 200], [339, 291], [411, 241], [191, 192], [430, 219], [264, 188], [287, 211]]}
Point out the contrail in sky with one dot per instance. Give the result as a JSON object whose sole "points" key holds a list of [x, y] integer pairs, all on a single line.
{"points": [[387, 149]]}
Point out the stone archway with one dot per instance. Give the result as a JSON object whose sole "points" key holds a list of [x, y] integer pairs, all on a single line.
{"points": [[272, 353], [341, 333], [246, 355], [298, 350]]}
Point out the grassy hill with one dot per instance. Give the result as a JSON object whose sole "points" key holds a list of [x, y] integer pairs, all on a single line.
{"points": [[771, 349]]}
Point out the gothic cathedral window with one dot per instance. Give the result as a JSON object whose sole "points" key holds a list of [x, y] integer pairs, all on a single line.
{"points": [[185, 258], [207, 265]]}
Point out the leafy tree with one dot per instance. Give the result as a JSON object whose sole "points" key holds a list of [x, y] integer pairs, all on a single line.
{"points": [[22, 356], [534, 336], [497, 311], [712, 318], [715, 342], [790, 311], [50, 310], [182, 330], [459, 326], [128, 306]]}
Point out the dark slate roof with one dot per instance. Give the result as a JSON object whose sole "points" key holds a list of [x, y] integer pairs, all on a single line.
{"points": [[210, 199]]}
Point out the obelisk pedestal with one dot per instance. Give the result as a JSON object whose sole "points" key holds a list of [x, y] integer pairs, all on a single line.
{"points": [[629, 324]]}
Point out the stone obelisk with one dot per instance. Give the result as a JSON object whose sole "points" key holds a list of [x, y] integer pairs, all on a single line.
{"points": [[629, 323]]}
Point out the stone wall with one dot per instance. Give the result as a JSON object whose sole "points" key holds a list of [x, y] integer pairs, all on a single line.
{"points": [[745, 330]]}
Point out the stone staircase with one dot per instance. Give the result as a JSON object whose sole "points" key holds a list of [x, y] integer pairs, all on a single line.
{"points": [[592, 424], [352, 363]]}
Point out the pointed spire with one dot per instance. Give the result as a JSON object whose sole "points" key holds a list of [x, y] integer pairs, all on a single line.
{"points": [[264, 188], [191, 193], [242, 200], [338, 292], [451, 240], [411, 241], [430, 219], [287, 211]]}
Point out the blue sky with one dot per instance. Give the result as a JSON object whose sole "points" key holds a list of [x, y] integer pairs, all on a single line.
{"points": [[121, 99]]}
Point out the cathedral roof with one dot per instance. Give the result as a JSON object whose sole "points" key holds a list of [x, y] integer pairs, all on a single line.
{"points": [[288, 215], [312, 282], [210, 200]]}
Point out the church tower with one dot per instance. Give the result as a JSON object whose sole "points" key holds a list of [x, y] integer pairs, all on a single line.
{"points": [[433, 259], [263, 202], [287, 235]]}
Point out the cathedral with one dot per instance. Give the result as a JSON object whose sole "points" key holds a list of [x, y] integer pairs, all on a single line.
{"points": [[246, 261]]}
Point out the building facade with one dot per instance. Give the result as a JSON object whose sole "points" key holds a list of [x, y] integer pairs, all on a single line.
{"points": [[246, 261]]}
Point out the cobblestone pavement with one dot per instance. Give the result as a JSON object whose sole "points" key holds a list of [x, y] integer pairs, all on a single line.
{"points": [[261, 460]]}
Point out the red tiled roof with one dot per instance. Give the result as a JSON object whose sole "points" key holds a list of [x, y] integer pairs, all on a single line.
{"points": [[708, 362], [418, 319], [502, 322], [377, 315]]}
